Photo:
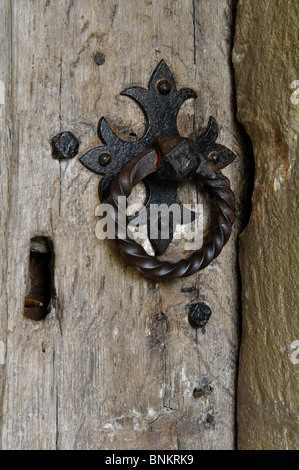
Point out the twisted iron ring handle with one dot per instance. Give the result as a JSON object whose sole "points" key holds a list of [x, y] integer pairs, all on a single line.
{"points": [[218, 185]]}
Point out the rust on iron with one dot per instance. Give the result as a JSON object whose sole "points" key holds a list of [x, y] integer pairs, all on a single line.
{"points": [[199, 392], [125, 163], [218, 186]]}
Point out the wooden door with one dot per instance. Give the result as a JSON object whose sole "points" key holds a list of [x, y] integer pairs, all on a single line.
{"points": [[115, 363]]}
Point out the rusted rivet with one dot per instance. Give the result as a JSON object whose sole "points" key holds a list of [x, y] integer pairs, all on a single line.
{"points": [[104, 159], [65, 145], [199, 315], [31, 303], [199, 392], [213, 157], [164, 86], [99, 58]]}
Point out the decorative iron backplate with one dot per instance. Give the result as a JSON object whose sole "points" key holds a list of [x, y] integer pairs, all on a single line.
{"points": [[160, 104]]}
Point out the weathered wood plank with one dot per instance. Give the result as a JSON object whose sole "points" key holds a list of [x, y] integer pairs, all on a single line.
{"points": [[5, 165], [115, 364]]}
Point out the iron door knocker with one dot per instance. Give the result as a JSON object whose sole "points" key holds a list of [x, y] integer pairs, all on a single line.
{"points": [[162, 158]]}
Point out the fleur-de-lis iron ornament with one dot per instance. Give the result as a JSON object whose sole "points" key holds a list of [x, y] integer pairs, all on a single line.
{"points": [[162, 158]]}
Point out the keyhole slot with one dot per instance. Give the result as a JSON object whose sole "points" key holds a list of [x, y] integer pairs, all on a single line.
{"points": [[40, 287]]}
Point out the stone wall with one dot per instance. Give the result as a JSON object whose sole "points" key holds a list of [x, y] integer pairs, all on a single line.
{"points": [[266, 65]]}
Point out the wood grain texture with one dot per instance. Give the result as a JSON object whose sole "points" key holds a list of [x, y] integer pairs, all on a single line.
{"points": [[5, 165], [115, 363]]}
